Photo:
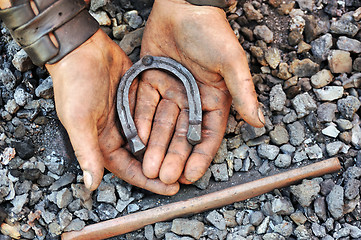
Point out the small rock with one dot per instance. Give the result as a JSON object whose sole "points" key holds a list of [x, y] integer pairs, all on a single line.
{"points": [[318, 230], [8, 79], [161, 228], [24, 149], [106, 193], [321, 47], [64, 180], [314, 152], [329, 93], [11, 106], [273, 57], [303, 104], [297, 133], [304, 68], [268, 151], [302, 233], [262, 228], [348, 106], [298, 218], [348, 44], [277, 98], [263, 32], [187, 227], [83, 214], [22, 97], [282, 206], [18, 202], [64, 198], [283, 72], [216, 220], [306, 5], [220, 172], [303, 47], [122, 204], [279, 135], [321, 79], [133, 19], [22, 61], [343, 232], [102, 18], [203, 182], [149, 232], [335, 201], [306, 192], [131, 40], [120, 31], [106, 211], [355, 232], [221, 153], [287, 149], [256, 218], [132, 208], [283, 161], [340, 61], [320, 208], [326, 112], [251, 12], [64, 218], [344, 124], [334, 148], [248, 132], [75, 225], [45, 89], [352, 188], [285, 228], [344, 27]]}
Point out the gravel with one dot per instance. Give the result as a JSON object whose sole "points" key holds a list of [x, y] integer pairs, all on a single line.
{"points": [[305, 61]]}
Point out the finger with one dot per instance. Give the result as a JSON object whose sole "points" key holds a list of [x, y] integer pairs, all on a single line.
{"points": [[84, 138], [147, 101], [124, 166], [213, 128], [162, 132], [238, 79], [178, 152]]}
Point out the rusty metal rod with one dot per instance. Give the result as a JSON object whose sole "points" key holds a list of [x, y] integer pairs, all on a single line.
{"points": [[203, 203]]}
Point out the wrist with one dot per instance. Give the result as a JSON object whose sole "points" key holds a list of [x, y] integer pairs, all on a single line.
{"points": [[48, 33]]}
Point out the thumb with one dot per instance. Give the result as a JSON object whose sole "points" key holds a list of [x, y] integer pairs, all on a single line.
{"points": [[239, 82], [86, 147]]}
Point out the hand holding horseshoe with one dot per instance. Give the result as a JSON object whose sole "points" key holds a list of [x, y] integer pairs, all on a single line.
{"points": [[200, 38]]}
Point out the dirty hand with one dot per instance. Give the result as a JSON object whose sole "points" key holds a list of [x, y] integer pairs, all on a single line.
{"points": [[200, 38], [85, 84]]}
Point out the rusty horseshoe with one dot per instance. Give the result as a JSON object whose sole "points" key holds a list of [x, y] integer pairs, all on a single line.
{"points": [[194, 99]]}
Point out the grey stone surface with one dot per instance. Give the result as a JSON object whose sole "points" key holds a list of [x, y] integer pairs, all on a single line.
{"points": [[314, 152], [348, 106], [285, 228], [277, 98], [352, 188], [283, 161], [161, 228], [329, 93], [320, 208], [326, 112], [335, 201], [322, 78], [187, 227], [268, 151], [279, 135], [282, 206], [264, 33], [106, 193], [306, 192], [297, 133], [349, 44], [45, 89], [64, 197], [216, 219], [220, 172], [303, 104], [321, 47]]}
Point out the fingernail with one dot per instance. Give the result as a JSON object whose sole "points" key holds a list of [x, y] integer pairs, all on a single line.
{"points": [[88, 179], [261, 116]]}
